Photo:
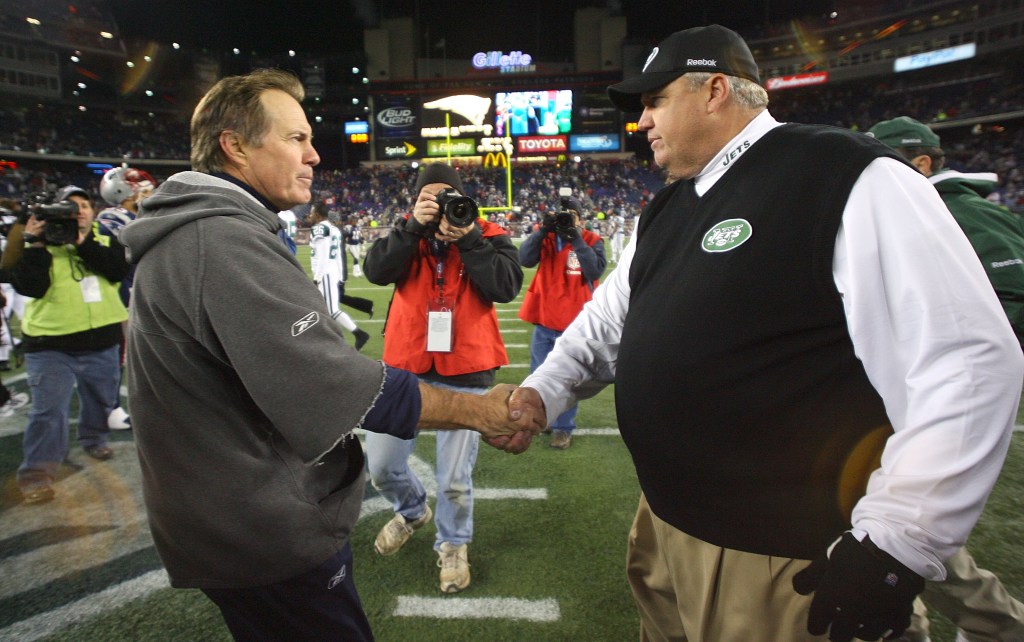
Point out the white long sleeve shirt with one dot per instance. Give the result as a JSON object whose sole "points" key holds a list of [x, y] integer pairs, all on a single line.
{"points": [[928, 328]]}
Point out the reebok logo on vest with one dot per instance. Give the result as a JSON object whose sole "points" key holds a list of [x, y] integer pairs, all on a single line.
{"points": [[727, 235]]}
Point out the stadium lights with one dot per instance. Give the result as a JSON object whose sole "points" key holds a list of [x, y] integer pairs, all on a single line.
{"points": [[148, 58], [130, 64], [236, 51], [33, 21], [75, 59], [107, 35], [149, 92], [176, 45], [291, 53]]}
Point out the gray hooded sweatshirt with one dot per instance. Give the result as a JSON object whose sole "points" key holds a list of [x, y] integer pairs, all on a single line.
{"points": [[248, 479]]}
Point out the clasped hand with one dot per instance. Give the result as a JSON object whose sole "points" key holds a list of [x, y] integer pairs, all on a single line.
{"points": [[524, 410]]}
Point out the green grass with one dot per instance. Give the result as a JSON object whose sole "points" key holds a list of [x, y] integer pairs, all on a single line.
{"points": [[569, 547]]}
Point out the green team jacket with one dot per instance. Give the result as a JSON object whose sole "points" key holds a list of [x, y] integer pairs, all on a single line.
{"points": [[63, 310], [996, 233]]}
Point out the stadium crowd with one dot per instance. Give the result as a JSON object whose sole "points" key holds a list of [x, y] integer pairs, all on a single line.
{"points": [[375, 195]]}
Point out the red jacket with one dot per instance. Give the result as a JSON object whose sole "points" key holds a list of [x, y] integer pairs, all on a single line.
{"points": [[559, 290], [477, 344]]}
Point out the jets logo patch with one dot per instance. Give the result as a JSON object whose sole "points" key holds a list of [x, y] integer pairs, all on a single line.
{"points": [[650, 59], [305, 323], [727, 235]]}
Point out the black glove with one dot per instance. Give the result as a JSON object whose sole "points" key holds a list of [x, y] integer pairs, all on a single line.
{"points": [[547, 224], [859, 590], [569, 234]]}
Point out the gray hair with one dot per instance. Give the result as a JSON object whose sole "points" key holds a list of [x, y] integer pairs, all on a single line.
{"points": [[746, 93], [234, 104]]}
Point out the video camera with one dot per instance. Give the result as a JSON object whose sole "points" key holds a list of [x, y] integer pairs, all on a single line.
{"points": [[564, 218], [458, 210], [61, 218]]}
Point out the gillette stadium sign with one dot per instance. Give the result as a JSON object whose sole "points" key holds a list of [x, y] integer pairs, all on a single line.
{"points": [[506, 63]]}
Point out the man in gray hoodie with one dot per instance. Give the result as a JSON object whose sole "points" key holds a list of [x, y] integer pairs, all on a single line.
{"points": [[252, 495]]}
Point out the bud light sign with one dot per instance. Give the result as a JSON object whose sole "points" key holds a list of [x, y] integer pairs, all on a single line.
{"points": [[396, 121]]}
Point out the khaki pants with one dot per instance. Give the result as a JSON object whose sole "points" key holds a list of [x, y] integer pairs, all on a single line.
{"points": [[690, 591], [974, 600]]}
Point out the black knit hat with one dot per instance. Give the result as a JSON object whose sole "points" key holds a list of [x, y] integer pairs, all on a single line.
{"points": [[713, 48], [439, 173], [570, 203]]}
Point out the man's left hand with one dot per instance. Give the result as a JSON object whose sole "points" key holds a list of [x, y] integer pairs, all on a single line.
{"points": [[569, 235], [859, 591]]}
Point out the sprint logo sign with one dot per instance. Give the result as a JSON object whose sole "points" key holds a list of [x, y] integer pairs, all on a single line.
{"points": [[727, 235]]}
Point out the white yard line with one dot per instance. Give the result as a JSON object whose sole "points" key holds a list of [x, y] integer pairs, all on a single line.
{"points": [[501, 608], [50, 622]]}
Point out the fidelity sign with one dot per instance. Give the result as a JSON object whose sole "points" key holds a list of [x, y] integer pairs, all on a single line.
{"points": [[542, 144]]}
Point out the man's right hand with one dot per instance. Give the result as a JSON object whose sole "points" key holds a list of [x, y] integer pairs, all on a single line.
{"points": [[523, 402]]}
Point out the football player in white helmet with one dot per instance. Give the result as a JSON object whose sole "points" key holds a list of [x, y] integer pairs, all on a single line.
{"points": [[124, 189], [327, 262]]}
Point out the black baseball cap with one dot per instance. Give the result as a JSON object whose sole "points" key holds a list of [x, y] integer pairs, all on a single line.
{"points": [[713, 48]]}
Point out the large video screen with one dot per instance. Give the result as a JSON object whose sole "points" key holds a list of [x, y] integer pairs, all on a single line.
{"points": [[533, 113]]}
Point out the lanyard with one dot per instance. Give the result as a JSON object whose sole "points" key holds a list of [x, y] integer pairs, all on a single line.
{"points": [[440, 250]]}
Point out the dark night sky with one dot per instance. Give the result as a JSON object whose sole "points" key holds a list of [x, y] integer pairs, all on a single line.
{"points": [[544, 27]]}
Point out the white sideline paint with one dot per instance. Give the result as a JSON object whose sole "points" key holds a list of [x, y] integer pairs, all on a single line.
{"points": [[448, 608], [515, 331], [48, 623]]}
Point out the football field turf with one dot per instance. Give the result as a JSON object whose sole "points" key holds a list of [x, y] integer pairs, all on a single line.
{"points": [[547, 558]]}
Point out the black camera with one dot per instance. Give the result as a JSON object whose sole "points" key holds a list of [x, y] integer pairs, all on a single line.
{"points": [[458, 210], [564, 221], [61, 219]]}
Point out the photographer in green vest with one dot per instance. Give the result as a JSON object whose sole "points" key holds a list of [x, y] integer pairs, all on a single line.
{"points": [[71, 334]]}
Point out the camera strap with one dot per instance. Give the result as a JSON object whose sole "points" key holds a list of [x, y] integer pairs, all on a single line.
{"points": [[441, 309]]}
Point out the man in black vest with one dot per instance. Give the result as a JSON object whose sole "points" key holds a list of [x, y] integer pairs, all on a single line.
{"points": [[815, 381]]}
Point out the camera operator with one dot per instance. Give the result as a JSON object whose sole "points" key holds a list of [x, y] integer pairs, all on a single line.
{"points": [[71, 334], [570, 261], [449, 268]]}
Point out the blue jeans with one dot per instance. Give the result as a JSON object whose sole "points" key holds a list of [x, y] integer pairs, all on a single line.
{"points": [[387, 459], [541, 343], [52, 376]]}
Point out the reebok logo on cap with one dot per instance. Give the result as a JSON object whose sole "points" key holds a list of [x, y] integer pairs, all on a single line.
{"points": [[702, 61]]}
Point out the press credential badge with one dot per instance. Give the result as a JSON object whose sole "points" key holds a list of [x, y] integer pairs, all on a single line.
{"points": [[439, 326]]}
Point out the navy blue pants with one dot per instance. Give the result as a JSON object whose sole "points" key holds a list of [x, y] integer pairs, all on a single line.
{"points": [[321, 604]]}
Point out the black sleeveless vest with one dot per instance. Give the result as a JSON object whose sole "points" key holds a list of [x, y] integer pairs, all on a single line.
{"points": [[751, 422]]}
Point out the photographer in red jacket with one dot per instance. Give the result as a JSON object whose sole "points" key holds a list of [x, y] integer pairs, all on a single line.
{"points": [[570, 261]]}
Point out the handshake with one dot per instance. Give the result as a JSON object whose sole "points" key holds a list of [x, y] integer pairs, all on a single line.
{"points": [[506, 416]]}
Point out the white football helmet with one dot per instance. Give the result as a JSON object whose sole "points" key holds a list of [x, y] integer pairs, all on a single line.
{"points": [[121, 183]]}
